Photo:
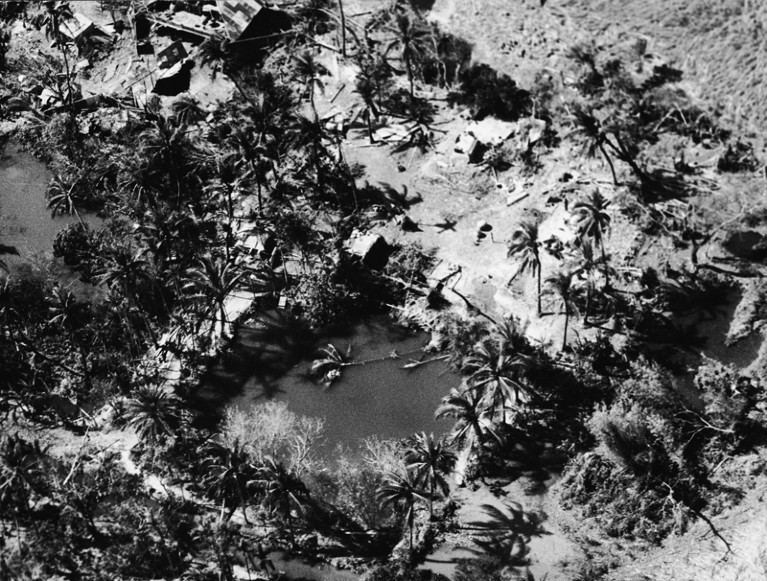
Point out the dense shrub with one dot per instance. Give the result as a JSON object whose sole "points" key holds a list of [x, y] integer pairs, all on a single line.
{"points": [[739, 156], [444, 66], [487, 92]]}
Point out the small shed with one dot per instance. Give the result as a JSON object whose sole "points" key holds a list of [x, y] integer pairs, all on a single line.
{"points": [[172, 54], [371, 248]]}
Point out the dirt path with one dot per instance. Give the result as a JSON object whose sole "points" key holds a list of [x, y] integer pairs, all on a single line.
{"points": [[516, 513]]}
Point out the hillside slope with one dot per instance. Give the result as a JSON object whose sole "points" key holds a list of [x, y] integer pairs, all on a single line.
{"points": [[720, 44]]}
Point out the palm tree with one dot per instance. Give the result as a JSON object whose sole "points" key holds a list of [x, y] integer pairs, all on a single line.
{"points": [[56, 14], [308, 71], [71, 315], [305, 133], [588, 264], [561, 284], [524, 245], [284, 491], [215, 51], [467, 409], [401, 491], [20, 465], [590, 127], [62, 199], [494, 374], [214, 279], [593, 221], [430, 461], [153, 413], [186, 109], [413, 40], [230, 476]]}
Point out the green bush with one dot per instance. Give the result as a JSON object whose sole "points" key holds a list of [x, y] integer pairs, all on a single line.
{"points": [[487, 92]]}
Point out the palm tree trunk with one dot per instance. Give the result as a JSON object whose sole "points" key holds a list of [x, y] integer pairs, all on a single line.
{"points": [[410, 522], [609, 162], [604, 261], [431, 500], [343, 28], [79, 217], [409, 69], [539, 290], [623, 154], [311, 100], [567, 320], [588, 304]]}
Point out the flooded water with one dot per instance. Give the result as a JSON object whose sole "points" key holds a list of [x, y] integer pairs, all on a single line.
{"points": [[25, 221], [271, 360], [296, 569], [704, 333]]}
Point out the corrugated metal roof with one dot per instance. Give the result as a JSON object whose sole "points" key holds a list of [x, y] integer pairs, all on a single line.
{"points": [[237, 15]]}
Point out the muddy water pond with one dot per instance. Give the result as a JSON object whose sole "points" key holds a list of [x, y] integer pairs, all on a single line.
{"points": [[25, 220], [271, 359]]}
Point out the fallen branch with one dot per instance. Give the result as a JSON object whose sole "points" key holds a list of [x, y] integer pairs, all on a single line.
{"points": [[413, 363]]}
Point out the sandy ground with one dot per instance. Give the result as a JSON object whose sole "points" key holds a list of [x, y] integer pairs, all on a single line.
{"points": [[550, 554]]}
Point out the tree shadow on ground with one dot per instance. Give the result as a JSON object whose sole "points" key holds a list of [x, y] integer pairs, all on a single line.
{"points": [[504, 533], [533, 459], [261, 353]]}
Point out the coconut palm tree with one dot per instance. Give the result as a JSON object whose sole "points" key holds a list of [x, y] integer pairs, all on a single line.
{"points": [[402, 492], [213, 279], [284, 491], [467, 408], [309, 72], [70, 314], [588, 264], [413, 39], [21, 463], [153, 413], [494, 373], [63, 199], [525, 246], [593, 221], [57, 13], [561, 284], [595, 137], [430, 462], [186, 109], [230, 476], [216, 51], [308, 134]]}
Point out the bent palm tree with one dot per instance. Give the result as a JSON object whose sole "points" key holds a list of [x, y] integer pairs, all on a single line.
{"points": [[431, 462], [401, 492], [524, 246], [593, 221]]}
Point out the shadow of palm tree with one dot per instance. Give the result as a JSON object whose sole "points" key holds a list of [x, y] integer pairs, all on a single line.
{"points": [[505, 532]]}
